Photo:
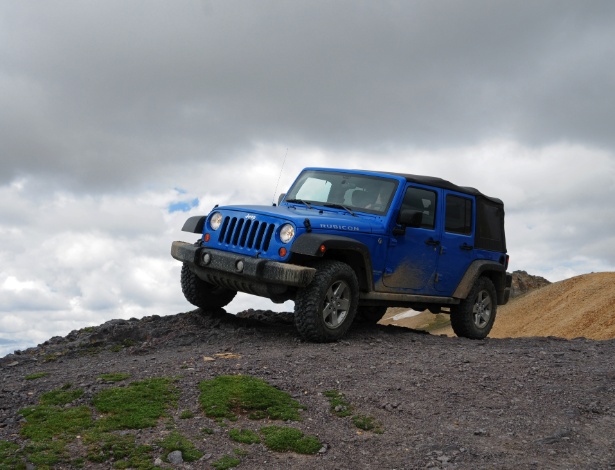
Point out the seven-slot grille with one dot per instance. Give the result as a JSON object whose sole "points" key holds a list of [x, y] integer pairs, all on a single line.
{"points": [[246, 233]]}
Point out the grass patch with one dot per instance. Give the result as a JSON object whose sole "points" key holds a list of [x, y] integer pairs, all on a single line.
{"points": [[114, 377], [137, 406], [245, 436], [45, 422], [226, 396], [175, 441], [284, 439], [51, 357], [341, 407], [36, 375], [61, 396], [226, 462], [367, 423], [186, 414], [9, 455], [46, 454], [338, 403], [121, 449], [51, 426]]}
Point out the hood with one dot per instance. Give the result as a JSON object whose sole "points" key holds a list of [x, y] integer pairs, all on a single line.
{"points": [[324, 219]]}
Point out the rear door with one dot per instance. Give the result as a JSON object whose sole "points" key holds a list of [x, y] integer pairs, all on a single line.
{"points": [[457, 240]]}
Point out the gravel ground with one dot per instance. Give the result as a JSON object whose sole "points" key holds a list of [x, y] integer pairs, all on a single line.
{"points": [[449, 403]]}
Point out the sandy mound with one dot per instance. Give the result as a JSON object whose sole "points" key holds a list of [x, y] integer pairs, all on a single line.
{"points": [[579, 306]]}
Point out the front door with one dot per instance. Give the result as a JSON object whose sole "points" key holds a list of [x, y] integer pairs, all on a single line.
{"points": [[412, 257]]}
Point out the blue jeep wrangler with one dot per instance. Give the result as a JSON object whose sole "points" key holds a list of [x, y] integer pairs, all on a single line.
{"points": [[346, 244]]}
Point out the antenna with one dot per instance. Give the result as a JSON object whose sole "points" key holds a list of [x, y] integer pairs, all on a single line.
{"points": [[279, 177]]}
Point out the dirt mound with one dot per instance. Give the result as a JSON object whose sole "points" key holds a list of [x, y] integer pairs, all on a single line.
{"points": [[580, 306]]}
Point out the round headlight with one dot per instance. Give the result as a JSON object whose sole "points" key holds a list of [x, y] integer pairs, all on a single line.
{"points": [[287, 232], [215, 220]]}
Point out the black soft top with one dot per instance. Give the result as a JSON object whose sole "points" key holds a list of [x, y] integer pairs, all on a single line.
{"points": [[490, 233], [442, 183]]}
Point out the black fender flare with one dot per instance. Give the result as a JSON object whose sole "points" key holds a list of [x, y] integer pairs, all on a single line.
{"points": [[497, 273], [309, 244], [194, 224]]}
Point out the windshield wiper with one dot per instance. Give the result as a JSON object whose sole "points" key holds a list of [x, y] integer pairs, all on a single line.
{"points": [[300, 201], [340, 206]]}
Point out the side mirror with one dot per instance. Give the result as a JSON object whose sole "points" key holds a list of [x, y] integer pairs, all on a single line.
{"points": [[281, 198], [410, 218]]}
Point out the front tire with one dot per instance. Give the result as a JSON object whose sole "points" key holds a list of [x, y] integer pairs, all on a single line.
{"points": [[474, 316], [325, 309], [203, 294]]}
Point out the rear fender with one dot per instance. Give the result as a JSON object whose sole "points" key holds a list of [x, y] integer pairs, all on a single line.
{"points": [[494, 271]]}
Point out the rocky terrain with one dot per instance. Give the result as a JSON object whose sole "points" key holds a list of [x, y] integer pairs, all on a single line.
{"points": [[438, 402]]}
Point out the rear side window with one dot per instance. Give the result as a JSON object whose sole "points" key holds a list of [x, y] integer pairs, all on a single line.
{"points": [[458, 218], [424, 201]]}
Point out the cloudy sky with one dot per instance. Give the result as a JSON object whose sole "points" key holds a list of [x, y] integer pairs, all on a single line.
{"points": [[119, 119]]}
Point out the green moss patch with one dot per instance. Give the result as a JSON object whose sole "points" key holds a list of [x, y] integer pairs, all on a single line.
{"points": [[338, 403], [114, 377], [285, 439], [137, 406], [36, 375], [245, 436], [175, 441], [226, 396]]}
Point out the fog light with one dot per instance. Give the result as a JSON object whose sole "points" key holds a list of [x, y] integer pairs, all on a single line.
{"points": [[206, 258], [239, 266]]}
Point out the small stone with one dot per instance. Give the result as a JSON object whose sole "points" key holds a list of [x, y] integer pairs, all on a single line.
{"points": [[175, 457], [158, 462]]}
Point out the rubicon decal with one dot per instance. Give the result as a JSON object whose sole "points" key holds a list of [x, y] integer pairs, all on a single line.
{"points": [[350, 228]]}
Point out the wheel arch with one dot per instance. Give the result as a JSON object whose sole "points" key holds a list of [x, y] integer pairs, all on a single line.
{"points": [[490, 269], [338, 248]]}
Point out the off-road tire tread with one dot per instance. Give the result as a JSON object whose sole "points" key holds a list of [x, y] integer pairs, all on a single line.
{"points": [[462, 314], [309, 301], [202, 294]]}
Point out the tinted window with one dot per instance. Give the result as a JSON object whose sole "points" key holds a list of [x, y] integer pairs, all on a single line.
{"points": [[424, 201], [458, 217]]}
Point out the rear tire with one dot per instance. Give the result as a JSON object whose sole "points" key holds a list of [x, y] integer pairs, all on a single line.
{"points": [[325, 309], [203, 294], [473, 317]]}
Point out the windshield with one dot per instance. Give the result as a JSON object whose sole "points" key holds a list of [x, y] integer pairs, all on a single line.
{"points": [[370, 194]]}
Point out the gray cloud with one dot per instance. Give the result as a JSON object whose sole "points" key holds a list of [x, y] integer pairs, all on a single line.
{"points": [[105, 94]]}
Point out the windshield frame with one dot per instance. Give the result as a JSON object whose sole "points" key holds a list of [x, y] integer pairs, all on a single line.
{"points": [[384, 187]]}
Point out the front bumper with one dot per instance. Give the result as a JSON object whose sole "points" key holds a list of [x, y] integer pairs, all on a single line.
{"points": [[242, 273]]}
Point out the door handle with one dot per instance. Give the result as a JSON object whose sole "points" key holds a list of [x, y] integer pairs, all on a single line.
{"points": [[467, 247], [430, 241]]}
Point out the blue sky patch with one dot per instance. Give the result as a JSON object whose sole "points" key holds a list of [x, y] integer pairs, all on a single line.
{"points": [[183, 206]]}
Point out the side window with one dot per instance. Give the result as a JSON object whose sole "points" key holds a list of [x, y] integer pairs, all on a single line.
{"points": [[422, 200], [458, 217]]}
